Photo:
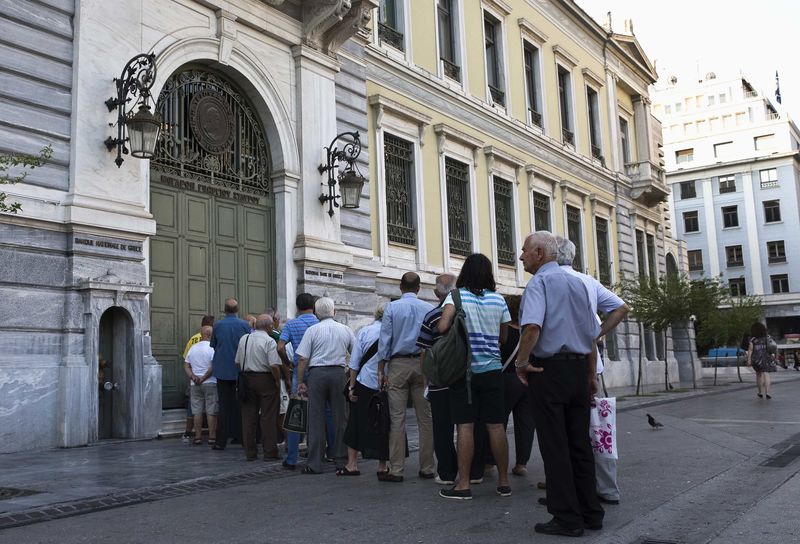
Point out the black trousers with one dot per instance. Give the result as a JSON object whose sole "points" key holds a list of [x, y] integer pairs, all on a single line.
{"points": [[517, 400], [230, 419], [443, 447], [561, 403]]}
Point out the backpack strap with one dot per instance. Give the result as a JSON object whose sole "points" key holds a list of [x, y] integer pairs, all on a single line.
{"points": [[456, 294], [373, 349]]}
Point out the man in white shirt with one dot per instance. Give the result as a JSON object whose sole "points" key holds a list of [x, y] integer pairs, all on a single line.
{"points": [[323, 351], [203, 391], [257, 358]]}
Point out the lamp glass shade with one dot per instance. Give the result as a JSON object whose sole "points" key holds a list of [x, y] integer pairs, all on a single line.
{"points": [[350, 186], [143, 129]]}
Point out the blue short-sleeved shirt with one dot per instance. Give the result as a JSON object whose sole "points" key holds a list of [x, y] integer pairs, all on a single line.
{"points": [[484, 315], [559, 304], [294, 330]]}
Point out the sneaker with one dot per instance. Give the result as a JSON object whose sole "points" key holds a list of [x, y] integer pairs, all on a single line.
{"points": [[185, 439], [503, 490], [443, 482], [476, 481], [459, 494]]}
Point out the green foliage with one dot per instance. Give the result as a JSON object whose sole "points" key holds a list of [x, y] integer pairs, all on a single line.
{"points": [[658, 303], [24, 163]]}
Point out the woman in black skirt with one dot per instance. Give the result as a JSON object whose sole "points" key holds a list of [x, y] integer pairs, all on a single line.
{"points": [[363, 385]]}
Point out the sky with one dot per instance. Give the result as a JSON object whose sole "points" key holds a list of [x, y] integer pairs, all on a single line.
{"points": [[689, 38]]}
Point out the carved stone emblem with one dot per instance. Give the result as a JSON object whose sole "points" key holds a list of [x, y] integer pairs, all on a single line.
{"points": [[211, 119]]}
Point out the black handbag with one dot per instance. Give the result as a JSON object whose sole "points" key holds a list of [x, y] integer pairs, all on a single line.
{"points": [[296, 419], [241, 385], [378, 421]]}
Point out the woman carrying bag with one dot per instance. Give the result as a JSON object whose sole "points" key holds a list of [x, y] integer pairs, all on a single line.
{"points": [[761, 356]]}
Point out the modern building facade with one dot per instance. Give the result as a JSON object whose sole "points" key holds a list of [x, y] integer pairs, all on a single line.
{"points": [[732, 165], [468, 144]]}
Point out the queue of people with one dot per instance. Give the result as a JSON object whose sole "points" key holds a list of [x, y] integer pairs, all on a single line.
{"points": [[533, 356]]}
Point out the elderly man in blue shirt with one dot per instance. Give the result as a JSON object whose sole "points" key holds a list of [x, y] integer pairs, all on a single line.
{"points": [[615, 309], [397, 347], [560, 329], [225, 341]]}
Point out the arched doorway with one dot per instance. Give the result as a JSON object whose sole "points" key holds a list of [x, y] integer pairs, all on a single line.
{"points": [[115, 379], [672, 267], [211, 198]]}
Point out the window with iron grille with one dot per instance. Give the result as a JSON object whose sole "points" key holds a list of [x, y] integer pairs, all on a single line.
{"points": [[738, 287], [594, 122], [727, 184], [458, 220], [389, 25], [730, 216], [531, 55], [398, 157], [494, 67], [688, 190], [541, 212], [780, 283], [504, 221], [603, 258], [447, 46], [695, 257], [690, 222], [641, 258], [776, 251], [772, 211], [651, 255], [565, 104], [575, 235], [734, 256], [769, 178]]}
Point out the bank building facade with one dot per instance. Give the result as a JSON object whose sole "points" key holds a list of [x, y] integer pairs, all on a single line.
{"points": [[110, 265]]}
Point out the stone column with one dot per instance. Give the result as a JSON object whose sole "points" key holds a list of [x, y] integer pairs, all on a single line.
{"points": [[641, 121]]}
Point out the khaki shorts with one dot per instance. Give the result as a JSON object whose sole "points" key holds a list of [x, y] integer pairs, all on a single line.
{"points": [[204, 399]]}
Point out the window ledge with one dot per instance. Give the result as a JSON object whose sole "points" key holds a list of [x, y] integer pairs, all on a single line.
{"points": [[773, 223], [732, 228]]}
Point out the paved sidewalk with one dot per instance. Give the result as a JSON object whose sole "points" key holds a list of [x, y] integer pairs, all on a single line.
{"points": [[75, 481]]}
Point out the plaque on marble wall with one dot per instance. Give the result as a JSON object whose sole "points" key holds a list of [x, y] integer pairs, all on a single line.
{"points": [[323, 275], [85, 243]]}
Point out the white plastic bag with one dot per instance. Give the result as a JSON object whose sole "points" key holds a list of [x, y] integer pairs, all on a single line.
{"points": [[603, 427], [284, 398]]}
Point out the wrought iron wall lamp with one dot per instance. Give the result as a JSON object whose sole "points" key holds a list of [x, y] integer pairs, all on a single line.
{"points": [[351, 182], [139, 129]]}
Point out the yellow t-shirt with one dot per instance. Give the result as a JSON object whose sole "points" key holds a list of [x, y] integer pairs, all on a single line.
{"points": [[192, 341]]}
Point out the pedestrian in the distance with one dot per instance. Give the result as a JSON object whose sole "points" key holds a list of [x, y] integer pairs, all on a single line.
{"points": [[761, 356], [486, 318]]}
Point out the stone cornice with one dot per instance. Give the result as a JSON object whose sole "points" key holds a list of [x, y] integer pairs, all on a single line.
{"points": [[592, 77], [380, 102], [499, 6], [451, 133], [531, 32], [562, 55]]}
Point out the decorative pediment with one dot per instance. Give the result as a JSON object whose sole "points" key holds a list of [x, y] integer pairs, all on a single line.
{"points": [[630, 45], [327, 24]]}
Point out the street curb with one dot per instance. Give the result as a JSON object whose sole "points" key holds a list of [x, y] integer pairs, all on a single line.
{"points": [[694, 395]]}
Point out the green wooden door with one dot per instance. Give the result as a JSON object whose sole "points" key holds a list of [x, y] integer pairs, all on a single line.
{"points": [[205, 250]]}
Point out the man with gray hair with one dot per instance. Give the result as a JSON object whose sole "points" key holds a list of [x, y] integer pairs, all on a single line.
{"points": [[558, 327], [257, 359], [323, 351], [615, 309]]}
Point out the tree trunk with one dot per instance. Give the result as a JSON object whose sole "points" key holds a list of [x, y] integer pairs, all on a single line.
{"points": [[666, 363], [716, 364], [641, 345], [738, 367], [691, 355]]}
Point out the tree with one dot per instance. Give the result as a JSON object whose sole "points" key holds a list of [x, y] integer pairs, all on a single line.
{"points": [[658, 304], [22, 164]]}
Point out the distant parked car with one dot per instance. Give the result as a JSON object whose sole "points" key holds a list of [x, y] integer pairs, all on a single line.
{"points": [[726, 352]]}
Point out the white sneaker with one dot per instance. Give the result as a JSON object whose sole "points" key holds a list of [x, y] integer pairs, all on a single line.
{"points": [[443, 482], [185, 439]]}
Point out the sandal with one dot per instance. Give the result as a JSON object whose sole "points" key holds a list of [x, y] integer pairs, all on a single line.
{"points": [[344, 471], [308, 470], [212, 442], [197, 442]]}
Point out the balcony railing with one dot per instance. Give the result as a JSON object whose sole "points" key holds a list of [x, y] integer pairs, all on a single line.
{"points": [[536, 117], [498, 96], [391, 36], [597, 153], [696, 267], [647, 181], [769, 184], [773, 259], [567, 136], [734, 264], [451, 70]]}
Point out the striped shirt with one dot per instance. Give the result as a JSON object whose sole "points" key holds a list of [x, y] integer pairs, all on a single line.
{"points": [[484, 315], [294, 330]]}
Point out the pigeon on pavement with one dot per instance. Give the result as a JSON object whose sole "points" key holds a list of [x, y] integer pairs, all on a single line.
{"points": [[653, 423]]}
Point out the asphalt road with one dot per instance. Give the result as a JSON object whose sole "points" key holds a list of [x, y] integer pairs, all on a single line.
{"points": [[701, 479]]}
